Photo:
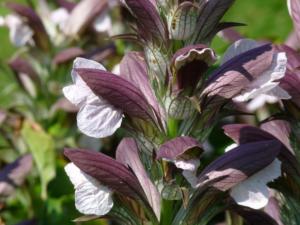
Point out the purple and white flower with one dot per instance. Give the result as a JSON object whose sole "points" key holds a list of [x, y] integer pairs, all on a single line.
{"points": [[185, 153], [265, 88], [20, 33], [254, 192], [91, 197], [96, 117]]}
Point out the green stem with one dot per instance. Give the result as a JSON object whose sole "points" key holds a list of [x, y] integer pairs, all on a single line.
{"points": [[172, 128], [233, 219], [167, 212]]}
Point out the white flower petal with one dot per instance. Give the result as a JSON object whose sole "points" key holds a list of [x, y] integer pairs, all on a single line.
{"points": [[99, 119], [254, 192], [76, 176], [116, 69], [190, 165], [266, 81], [271, 97], [191, 177], [2, 21], [260, 101], [102, 23], [189, 168], [76, 95], [59, 17], [274, 73], [255, 92], [279, 93], [91, 198], [289, 7], [230, 147], [20, 34]]}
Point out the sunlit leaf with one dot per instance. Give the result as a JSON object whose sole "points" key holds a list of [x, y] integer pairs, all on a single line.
{"points": [[42, 147]]}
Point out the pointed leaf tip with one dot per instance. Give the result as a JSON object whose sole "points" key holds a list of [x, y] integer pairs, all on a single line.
{"points": [[127, 153]]}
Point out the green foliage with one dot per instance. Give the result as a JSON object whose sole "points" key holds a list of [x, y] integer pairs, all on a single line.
{"points": [[42, 147]]}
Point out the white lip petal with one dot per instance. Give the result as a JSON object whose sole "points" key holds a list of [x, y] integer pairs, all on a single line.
{"points": [[255, 92], [99, 119], [59, 17], [260, 101], [191, 177], [76, 176], [91, 198], [2, 21], [102, 23], [116, 69], [254, 192], [267, 80], [20, 34], [270, 97], [280, 93], [230, 147], [189, 168], [190, 165], [75, 94], [274, 73], [289, 7], [255, 196]]}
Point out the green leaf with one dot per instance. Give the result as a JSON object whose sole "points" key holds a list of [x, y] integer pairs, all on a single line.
{"points": [[42, 147]]}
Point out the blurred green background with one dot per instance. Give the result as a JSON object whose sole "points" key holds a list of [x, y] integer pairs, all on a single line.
{"points": [[265, 19]]}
